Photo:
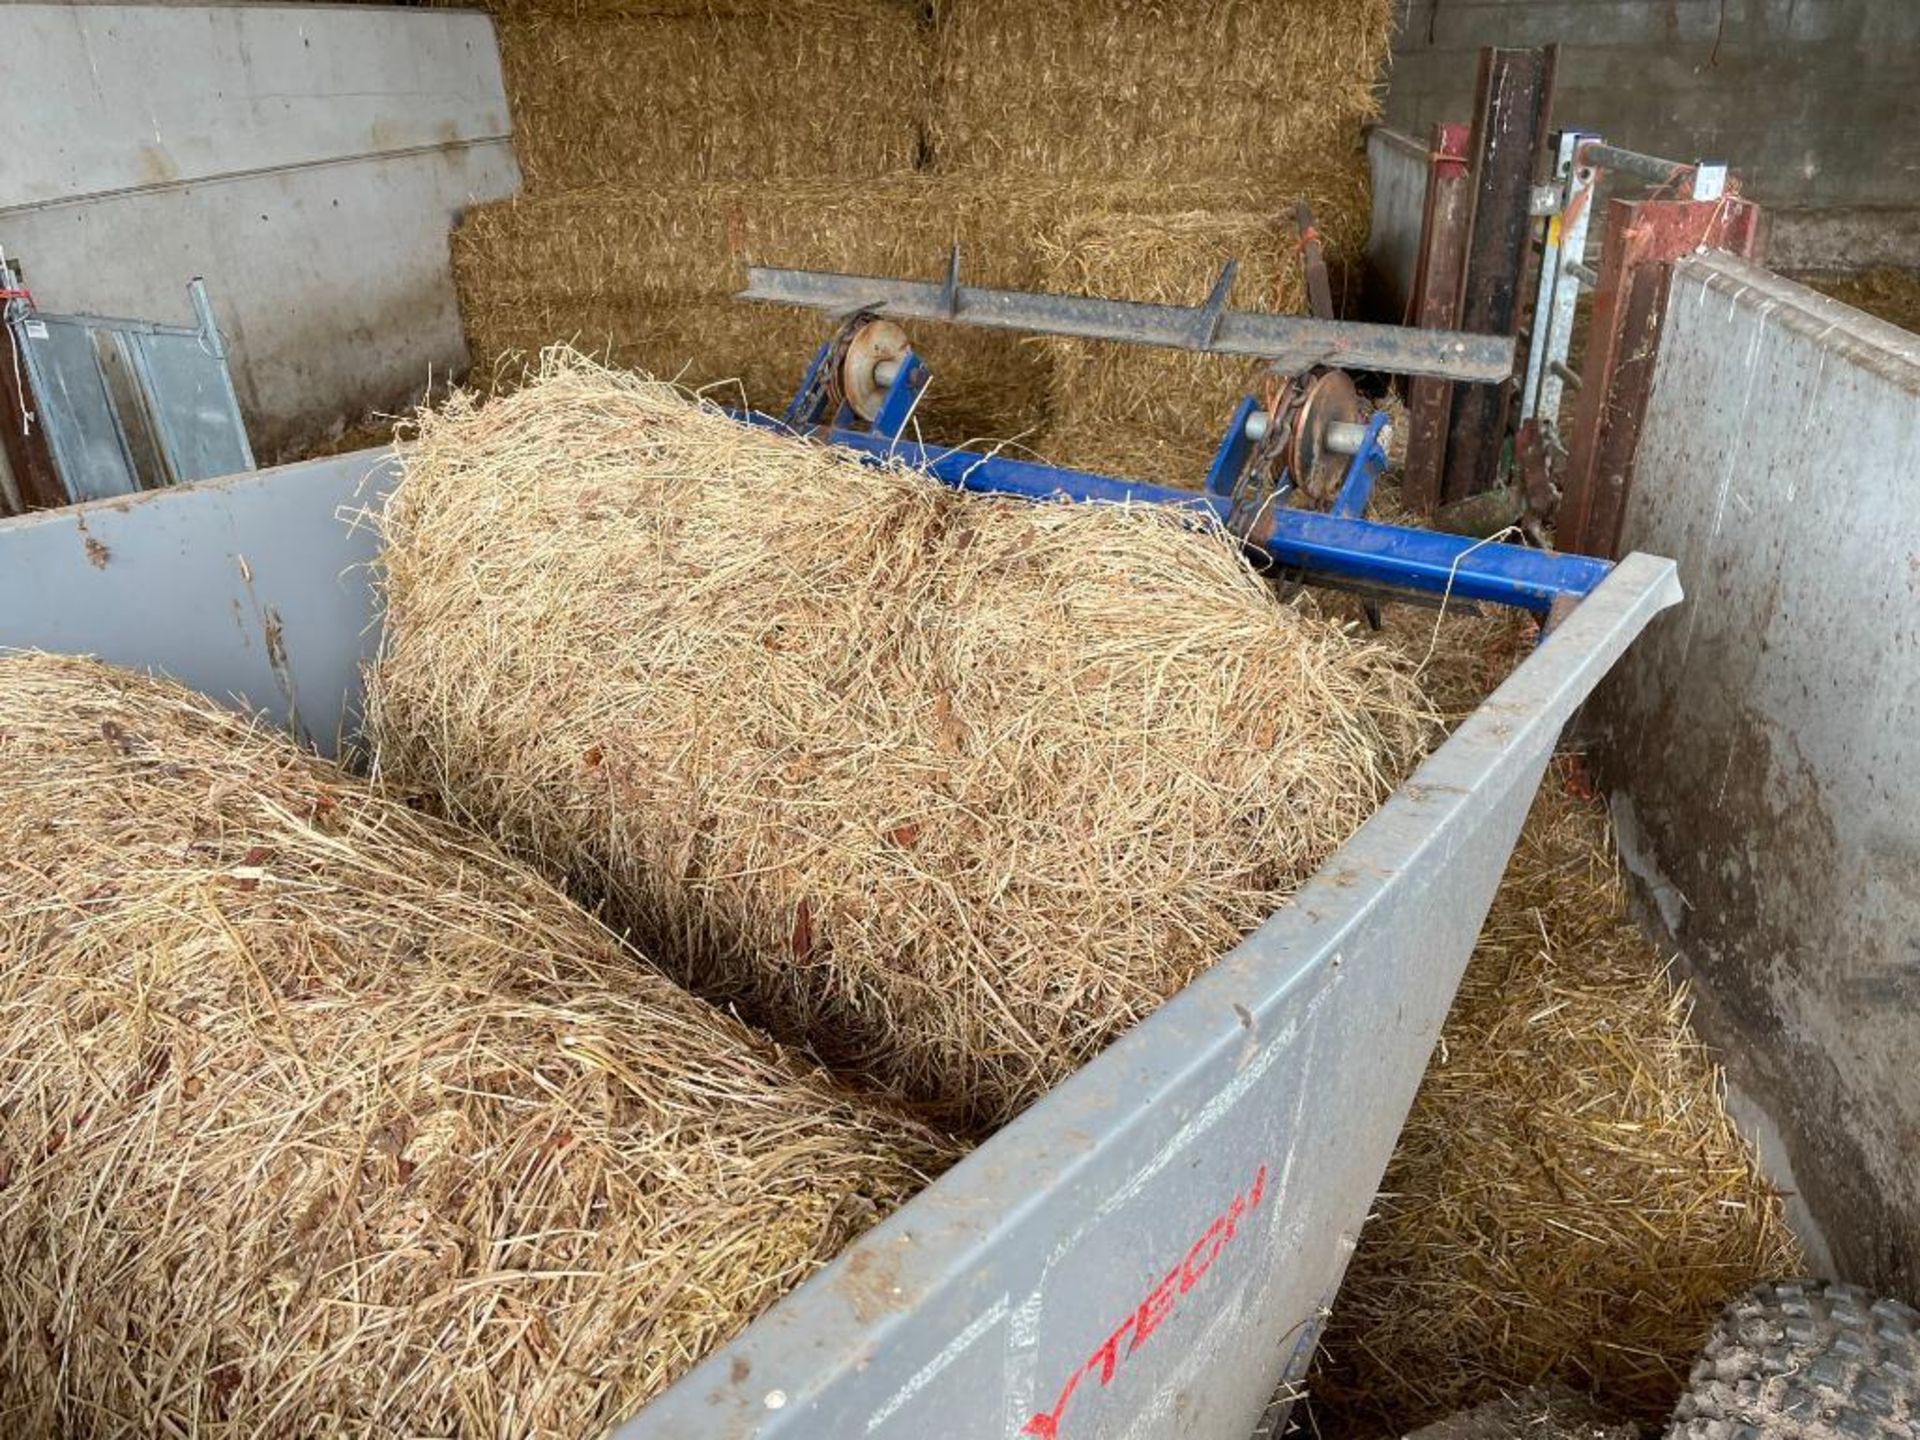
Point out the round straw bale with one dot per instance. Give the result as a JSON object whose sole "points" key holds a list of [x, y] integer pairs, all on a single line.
{"points": [[320, 1117], [952, 787]]}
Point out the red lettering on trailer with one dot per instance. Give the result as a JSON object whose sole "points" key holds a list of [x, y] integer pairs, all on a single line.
{"points": [[1160, 1302]]}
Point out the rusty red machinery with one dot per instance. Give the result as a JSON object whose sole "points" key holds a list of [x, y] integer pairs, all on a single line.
{"points": [[1509, 209]]}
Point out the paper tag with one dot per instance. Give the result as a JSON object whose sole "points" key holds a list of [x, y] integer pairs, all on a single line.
{"points": [[36, 329]]}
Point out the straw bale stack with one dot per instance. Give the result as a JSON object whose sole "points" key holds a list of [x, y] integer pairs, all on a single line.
{"points": [[808, 88], [1263, 102], [1163, 89], [646, 279], [1569, 1201], [320, 1117], [615, 10], [1159, 414], [954, 787]]}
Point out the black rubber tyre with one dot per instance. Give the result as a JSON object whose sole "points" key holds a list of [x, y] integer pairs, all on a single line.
{"points": [[1806, 1361]]}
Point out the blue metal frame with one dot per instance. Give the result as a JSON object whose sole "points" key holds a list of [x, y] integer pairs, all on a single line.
{"points": [[897, 408], [1234, 452], [1338, 545], [1368, 465]]}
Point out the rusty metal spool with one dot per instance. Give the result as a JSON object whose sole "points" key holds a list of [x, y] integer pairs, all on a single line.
{"points": [[1309, 406], [870, 358], [1296, 457]]}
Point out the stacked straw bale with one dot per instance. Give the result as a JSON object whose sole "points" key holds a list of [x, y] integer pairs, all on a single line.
{"points": [[320, 1117], [809, 88], [1570, 1201], [1269, 98], [953, 787], [1154, 413], [646, 278], [1162, 89], [679, 137]]}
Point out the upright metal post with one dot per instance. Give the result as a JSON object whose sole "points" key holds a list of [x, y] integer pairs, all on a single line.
{"points": [[1445, 219], [1642, 238], [1562, 261], [23, 437], [1511, 107]]}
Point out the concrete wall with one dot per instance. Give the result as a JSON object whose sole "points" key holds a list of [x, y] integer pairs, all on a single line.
{"points": [[308, 160], [1813, 102], [1762, 743]]}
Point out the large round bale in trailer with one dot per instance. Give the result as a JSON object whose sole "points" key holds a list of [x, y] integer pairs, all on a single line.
{"points": [[318, 1116], [953, 788]]}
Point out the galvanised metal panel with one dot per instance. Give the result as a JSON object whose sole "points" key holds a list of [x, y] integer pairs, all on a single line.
{"points": [[75, 406], [1146, 1251], [254, 588]]}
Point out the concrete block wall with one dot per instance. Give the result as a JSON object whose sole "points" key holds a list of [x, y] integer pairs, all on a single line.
{"points": [[1761, 743], [1813, 102], [308, 160]]}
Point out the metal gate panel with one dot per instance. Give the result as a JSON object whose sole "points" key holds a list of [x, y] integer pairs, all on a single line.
{"points": [[127, 405], [73, 404], [190, 399]]}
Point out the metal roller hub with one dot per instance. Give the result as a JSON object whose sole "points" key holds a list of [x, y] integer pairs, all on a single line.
{"points": [[1315, 410], [1305, 429], [871, 359]]}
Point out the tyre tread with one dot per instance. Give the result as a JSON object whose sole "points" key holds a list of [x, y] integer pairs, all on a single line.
{"points": [[1801, 1360]]}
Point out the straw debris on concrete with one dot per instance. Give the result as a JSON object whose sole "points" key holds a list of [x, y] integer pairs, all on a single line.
{"points": [[1570, 1201], [320, 1117], [1887, 293], [954, 788]]}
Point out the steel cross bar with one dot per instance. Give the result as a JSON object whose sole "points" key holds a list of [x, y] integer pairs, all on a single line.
{"points": [[1335, 547], [1294, 340]]}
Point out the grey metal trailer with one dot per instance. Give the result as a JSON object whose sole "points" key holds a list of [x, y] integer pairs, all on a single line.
{"points": [[1149, 1251]]}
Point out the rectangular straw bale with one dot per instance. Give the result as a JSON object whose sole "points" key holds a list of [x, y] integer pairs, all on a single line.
{"points": [[612, 10], [1161, 88], [1122, 407], [645, 278], [822, 87], [320, 1117], [953, 787]]}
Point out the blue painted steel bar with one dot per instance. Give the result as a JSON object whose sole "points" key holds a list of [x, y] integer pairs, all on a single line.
{"points": [[1337, 547], [807, 398], [1231, 458], [897, 408], [1369, 463]]}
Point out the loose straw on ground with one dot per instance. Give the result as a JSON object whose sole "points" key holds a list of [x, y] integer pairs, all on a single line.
{"points": [[954, 788], [319, 1117], [1569, 1201]]}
